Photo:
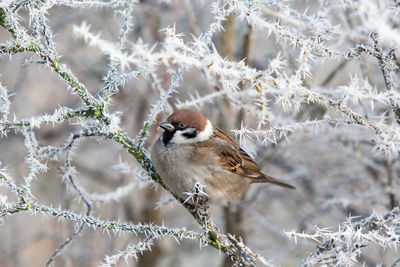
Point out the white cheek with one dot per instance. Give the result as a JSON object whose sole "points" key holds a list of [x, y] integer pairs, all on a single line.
{"points": [[204, 135]]}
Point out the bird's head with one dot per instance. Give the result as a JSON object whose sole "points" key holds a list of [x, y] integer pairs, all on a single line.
{"points": [[186, 126]]}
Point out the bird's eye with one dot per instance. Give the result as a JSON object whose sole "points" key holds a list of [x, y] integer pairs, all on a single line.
{"points": [[182, 125]]}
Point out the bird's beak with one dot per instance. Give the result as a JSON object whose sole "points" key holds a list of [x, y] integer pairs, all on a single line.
{"points": [[167, 126]]}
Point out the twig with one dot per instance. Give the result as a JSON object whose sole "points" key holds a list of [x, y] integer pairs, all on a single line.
{"points": [[383, 61], [351, 238], [82, 195]]}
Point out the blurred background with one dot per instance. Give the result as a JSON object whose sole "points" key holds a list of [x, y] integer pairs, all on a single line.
{"points": [[335, 169]]}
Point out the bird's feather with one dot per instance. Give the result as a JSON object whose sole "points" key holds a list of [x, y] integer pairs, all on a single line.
{"points": [[236, 160]]}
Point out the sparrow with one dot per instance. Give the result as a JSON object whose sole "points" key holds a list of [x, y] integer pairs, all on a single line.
{"points": [[191, 149]]}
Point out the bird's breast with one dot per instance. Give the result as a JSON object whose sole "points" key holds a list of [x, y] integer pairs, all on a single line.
{"points": [[181, 166]]}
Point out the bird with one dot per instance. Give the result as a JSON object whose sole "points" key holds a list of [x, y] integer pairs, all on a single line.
{"points": [[192, 150]]}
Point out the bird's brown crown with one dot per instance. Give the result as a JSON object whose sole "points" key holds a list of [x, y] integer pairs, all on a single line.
{"points": [[192, 118]]}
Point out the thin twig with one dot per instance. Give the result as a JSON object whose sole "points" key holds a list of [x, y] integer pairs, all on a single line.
{"points": [[383, 61], [81, 194]]}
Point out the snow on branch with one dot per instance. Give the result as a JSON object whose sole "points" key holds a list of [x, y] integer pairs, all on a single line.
{"points": [[277, 132], [345, 246], [131, 251]]}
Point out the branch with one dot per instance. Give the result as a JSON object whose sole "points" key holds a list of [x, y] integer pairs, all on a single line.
{"points": [[82, 195], [344, 246], [54, 63], [384, 63]]}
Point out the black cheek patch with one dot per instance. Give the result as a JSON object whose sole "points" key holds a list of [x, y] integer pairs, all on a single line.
{"points": [[167, 136], [191, 134]]}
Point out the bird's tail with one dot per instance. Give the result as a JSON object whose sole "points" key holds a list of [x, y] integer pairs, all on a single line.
{"points": [[271, 180]]}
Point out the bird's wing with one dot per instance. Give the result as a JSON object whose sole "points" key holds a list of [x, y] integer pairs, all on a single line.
{"points": [[236, 160], [233, 158]]}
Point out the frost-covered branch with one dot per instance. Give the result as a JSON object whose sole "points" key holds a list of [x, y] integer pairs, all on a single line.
{"points": [[346, 245], [131, 251]]}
